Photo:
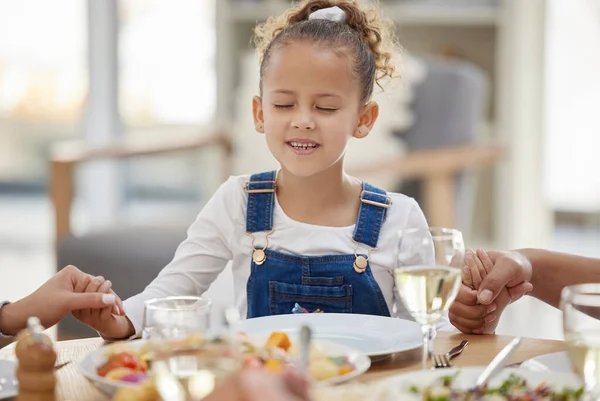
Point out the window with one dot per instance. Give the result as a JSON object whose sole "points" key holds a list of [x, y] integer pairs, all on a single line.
{"points": [[43, 83]]}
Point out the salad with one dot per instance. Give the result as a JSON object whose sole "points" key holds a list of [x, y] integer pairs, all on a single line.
{"points": [[514, 388]]}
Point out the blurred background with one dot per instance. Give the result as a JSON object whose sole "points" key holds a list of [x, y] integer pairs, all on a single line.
{"points": [[120, 118]]}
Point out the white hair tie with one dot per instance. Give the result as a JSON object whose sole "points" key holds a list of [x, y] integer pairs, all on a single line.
{"points": [[334, 13]]}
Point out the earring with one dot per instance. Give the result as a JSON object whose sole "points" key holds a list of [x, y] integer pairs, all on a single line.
{"points": [[259, 126], [361, 130]]}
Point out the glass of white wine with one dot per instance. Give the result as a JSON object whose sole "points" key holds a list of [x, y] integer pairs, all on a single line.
{"points": [[428, 276], [581, 323]]}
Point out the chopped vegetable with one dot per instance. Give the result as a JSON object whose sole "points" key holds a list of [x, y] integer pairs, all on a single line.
{"points": [[135, 377], [120, 365], [344, 370], [279, 339]]}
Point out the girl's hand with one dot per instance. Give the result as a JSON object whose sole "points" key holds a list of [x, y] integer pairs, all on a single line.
{"points": [[103, 320], [468, 313]]}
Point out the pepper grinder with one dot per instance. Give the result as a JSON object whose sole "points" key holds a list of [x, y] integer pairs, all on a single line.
{"points": [[36, 356]]}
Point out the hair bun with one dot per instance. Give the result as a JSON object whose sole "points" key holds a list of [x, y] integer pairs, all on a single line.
{"points": [[375, 32]]}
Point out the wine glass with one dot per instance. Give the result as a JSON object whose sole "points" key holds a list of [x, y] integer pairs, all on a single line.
{"points": [[581, 324], [428, 276], [194, 367], [175, 317], [187, 355], [198, 369]]}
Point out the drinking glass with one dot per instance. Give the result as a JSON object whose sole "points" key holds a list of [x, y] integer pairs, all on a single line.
{"points": [[581, 324], [198, 369], [175, 317], [428, 276]]}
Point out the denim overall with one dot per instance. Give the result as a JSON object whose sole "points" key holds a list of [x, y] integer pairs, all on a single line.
{"points": [[329, 283]]}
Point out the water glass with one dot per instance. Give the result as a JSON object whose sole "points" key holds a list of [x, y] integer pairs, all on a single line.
{"points": [[176, 317]]}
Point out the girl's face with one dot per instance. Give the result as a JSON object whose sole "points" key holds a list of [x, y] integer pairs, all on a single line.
{"points": [[310, 108]]}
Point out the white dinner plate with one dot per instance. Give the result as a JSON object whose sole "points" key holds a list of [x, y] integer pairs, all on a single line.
{"points": [[374, 336], [556, 362], [397, 388], [89, 363], [8, 381]]}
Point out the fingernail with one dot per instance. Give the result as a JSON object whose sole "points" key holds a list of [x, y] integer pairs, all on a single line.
{"points": [[98, 279], [477, 331], [118, 310], [490, 318], [491, 308], [466, 270], [108, 299], [480, 250], [485, 296]]}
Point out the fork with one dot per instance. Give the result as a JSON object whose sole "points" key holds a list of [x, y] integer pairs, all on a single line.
{"points": [[443, 360]]}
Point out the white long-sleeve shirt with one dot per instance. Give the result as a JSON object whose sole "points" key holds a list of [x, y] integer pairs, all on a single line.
{"points": [[218, 236]]}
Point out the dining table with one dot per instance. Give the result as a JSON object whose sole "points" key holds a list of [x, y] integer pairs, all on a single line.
{"points": [[73, 386]]}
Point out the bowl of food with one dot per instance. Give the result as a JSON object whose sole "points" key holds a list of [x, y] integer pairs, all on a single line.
{"points": [[129, 364]]}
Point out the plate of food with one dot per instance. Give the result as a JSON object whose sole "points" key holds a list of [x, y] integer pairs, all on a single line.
{"points": [[129, 364], [457, 384], [374, 336]]}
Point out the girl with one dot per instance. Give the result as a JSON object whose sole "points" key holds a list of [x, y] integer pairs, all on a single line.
{"points": [[307, 237]]}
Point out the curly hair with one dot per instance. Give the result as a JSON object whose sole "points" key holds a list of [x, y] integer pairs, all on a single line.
{"points": [[368, 38]]}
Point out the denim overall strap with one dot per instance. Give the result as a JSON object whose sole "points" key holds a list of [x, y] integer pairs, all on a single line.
{"points": [[261, 201], [374, 203]]}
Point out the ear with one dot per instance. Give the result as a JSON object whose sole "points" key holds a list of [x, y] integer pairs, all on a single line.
{"points": [[257, 113], [368, 116]]}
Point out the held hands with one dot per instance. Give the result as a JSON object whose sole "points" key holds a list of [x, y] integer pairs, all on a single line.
{"points": [[58, 296], [490, 283], [109, 321]]}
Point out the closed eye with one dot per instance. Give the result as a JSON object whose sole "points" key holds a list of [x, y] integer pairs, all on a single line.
{"points": [[326, 109], [283, 106]]}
